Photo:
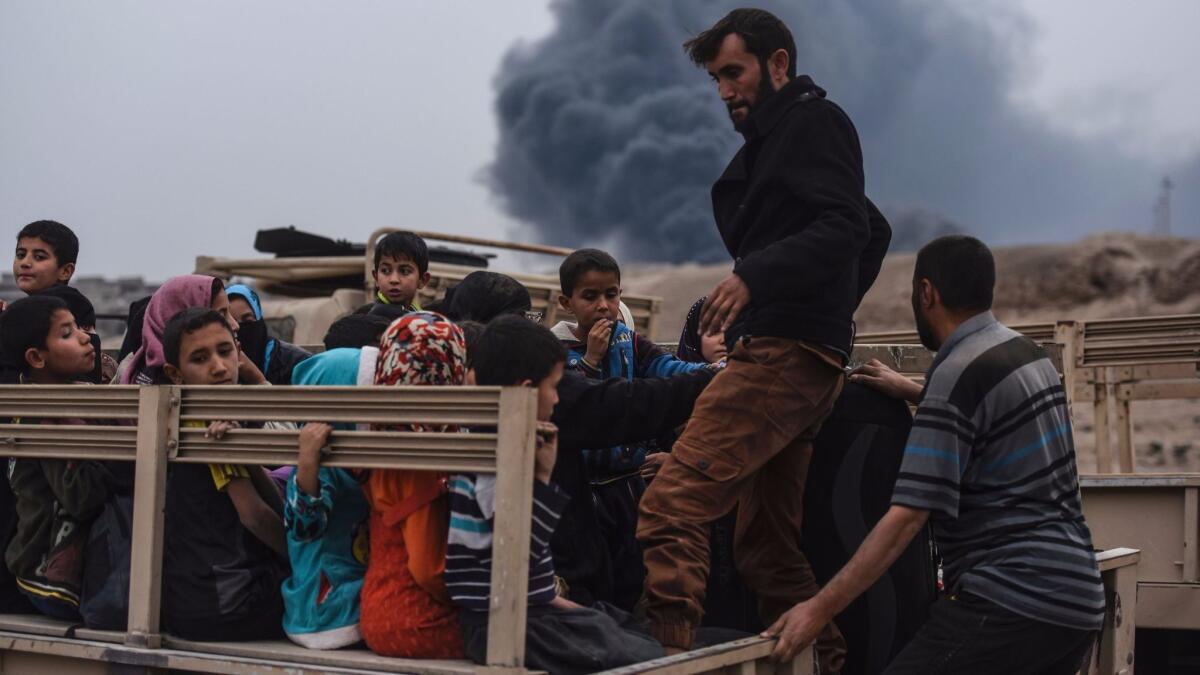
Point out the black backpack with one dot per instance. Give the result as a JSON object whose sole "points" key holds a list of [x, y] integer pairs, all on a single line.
{"points": [[104, 601], [855, 461], [12, 601]]}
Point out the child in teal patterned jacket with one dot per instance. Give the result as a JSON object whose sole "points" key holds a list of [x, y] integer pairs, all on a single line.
{"points": [[325, 515]]}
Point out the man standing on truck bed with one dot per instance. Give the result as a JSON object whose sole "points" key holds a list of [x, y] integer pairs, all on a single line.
{"points": [[807, 244]]}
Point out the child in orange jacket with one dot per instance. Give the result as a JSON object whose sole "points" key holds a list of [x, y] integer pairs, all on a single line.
{"points": [[406, 610]]}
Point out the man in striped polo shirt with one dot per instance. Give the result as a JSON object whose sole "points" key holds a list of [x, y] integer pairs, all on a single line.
{"points": [[990, 464]]}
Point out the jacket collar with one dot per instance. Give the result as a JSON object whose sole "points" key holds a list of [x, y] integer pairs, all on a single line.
{"points": [[763, 120], [565, 331], [965, 329]]}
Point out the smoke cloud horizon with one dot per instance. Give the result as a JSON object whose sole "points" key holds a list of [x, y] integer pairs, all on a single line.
{"points": [[610, 136]]}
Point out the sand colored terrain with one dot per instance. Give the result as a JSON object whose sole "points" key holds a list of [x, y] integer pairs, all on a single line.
{"points": [[1102, 276]]}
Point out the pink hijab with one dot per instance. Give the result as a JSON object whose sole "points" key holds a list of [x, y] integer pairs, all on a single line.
{"points": [[174, 296]]}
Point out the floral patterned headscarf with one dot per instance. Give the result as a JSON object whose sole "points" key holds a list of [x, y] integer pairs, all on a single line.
{"points": [[422, 348]]}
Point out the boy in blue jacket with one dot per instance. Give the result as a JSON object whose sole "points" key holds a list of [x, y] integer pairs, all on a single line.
{"points": [[601, 346]]}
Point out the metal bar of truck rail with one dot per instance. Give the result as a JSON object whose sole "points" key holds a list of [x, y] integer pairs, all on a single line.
{"points": [[418, 451], [159, 439], [559, 251], [59, 401], [373, 405]]}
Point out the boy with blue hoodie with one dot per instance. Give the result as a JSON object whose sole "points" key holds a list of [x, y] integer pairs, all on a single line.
{"points": [[602, 346]]}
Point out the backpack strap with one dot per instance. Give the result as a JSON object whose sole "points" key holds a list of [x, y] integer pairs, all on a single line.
{"points": [[421, 497]]}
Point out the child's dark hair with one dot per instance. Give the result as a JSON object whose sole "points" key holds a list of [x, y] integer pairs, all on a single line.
{"points": [[186, 321], [26, 324], [513, 349], [580, 263], [80, 306], [406, 245], [58, 236], [389, 312], [356, 331], [436, 306], [471, 331]]}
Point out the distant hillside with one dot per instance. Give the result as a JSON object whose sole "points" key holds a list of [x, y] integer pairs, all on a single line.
{"points": [[1104, 275]]}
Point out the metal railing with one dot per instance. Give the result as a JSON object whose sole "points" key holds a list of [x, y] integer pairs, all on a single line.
{"points": [[1110, 363], [144, 425]]}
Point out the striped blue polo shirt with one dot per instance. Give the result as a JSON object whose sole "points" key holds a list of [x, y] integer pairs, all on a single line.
{"points": [[991, 456], [469, 550]]}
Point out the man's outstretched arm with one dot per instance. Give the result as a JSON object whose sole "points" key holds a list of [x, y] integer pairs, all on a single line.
{"points": [[800, 625]]}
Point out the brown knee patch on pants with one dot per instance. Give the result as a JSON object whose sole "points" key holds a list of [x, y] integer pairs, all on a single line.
{"points": [[747, 444]]}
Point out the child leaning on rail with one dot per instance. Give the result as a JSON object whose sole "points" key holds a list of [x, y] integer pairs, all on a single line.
{"points": [[561, 636], [145, 366], [406, 610], [325, 515], [224, 554], [55, 499]]}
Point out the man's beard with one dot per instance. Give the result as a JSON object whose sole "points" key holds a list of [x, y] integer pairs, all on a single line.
{"points": [[924, 330], [765, 91]]}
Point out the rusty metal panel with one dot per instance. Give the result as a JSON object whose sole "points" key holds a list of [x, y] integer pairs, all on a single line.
{"points": [[460, 452], [1147, 518], [1175, 606], [374, 405], [745, 655], [25, 663], [62, 441], [59, 401]]}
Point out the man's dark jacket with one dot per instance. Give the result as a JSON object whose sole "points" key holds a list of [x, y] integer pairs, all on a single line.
{"points": [[792, 211], [601, 413]]}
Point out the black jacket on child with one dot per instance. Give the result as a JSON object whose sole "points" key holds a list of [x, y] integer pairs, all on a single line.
{"points": [[55, 501], [792, 211], [593, 413], [219, 581]]}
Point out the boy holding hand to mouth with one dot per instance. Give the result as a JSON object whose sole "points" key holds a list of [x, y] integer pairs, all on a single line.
{"points": [[601, 346]]}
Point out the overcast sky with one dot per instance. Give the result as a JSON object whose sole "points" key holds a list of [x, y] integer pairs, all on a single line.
{"points": [[164, 130]]}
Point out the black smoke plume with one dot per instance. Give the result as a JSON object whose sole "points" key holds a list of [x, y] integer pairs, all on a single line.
{"points": [[610, 136]]}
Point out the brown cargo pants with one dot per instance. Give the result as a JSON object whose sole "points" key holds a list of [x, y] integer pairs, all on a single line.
{"points": [[747, 444]]}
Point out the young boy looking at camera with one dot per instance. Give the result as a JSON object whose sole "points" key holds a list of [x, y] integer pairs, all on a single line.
{"points": [[561, 636], [225, 554], [55, 499], [401, 269], [601, 346], [45, 256]]}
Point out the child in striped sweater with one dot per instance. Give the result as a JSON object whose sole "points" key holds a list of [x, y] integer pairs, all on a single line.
{"points": [[561, 636]]}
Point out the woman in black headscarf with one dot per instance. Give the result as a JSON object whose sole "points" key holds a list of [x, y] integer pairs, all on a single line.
{"points": [[728, 603], [483, 296]]}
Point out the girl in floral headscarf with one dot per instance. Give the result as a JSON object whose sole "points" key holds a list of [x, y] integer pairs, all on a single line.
{"points": [[406, 610]]}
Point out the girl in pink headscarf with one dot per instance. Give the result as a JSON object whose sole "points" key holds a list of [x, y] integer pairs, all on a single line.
{"points": [[179, 293]]}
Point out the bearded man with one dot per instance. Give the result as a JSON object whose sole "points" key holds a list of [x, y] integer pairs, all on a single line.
{"points": [[807, 244]]}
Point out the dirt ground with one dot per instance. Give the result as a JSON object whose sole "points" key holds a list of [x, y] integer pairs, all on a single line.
{"points": [[1102, 276]]}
